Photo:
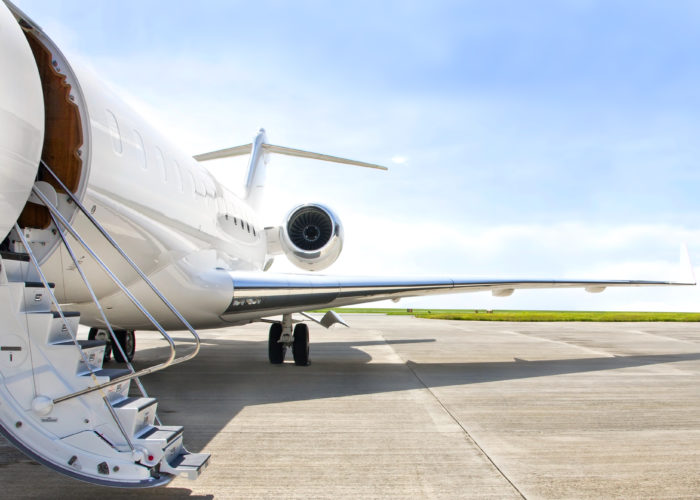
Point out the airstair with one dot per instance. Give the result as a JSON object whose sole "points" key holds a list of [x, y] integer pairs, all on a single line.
{"points": [[58, 403]]}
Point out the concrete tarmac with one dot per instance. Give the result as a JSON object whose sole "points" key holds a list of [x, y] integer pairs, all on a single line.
{"points": [[398, 407]]}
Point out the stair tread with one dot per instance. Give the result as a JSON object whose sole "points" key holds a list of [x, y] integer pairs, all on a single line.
{"points": [[66, 314], [84, 344], [112, 373], [191, 460], [37, 284], [137, 403], [23, 257], [161, 432]]}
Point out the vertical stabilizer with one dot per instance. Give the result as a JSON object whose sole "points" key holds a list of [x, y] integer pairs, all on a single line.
{"points": [[255, 180], [259, 150]]}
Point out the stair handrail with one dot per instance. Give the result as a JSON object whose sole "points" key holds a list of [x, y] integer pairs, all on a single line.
{"points": [[121, 252], [73, 335], [116, 342], [146, 371], [126, 291]]}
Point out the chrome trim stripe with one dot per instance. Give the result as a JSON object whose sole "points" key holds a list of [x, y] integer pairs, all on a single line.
{"points": [[255, 292]]}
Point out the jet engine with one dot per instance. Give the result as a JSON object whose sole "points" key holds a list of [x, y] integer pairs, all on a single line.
{"points": [[311, 237]]}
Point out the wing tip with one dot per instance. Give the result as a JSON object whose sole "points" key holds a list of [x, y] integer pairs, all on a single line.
{"points": [[687, 273]]}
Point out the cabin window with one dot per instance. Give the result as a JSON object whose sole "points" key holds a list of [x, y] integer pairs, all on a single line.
{"points": [[140, 149], [114, 132], [247, 226], [209, 185], [190, 178], [178, 175], [235, 221], [199, 184], [160, 162]]}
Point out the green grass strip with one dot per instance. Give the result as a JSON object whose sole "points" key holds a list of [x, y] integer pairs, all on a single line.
{"points": [[524, 316]]}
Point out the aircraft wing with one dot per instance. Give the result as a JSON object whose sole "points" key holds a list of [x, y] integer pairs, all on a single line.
{"points": [[264, 294]]}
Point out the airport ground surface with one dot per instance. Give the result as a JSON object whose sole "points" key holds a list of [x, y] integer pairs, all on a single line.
{"points": [[399, 407]]}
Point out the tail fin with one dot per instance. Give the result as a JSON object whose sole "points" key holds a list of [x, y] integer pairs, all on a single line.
{"points": [[258, 150]]}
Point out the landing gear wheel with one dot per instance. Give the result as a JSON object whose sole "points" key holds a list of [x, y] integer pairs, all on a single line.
{"points": [[101, 334], [300, 347], [127, 339], [275, 349]]}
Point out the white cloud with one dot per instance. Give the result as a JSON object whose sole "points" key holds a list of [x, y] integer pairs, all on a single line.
{"points": [[481, 156], [379, 245]]}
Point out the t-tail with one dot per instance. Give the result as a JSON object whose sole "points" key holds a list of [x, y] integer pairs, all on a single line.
{"points": [[259, 151]]}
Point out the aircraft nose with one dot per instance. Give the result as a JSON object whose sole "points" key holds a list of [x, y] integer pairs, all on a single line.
{"points": [[21, 120]]}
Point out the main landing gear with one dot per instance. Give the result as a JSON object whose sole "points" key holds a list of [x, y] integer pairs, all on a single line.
{"points": [[282, 336], [126, 338]]}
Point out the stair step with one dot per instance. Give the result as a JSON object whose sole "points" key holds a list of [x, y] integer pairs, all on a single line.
{"points": [[116, 392], [164, 433], [84, 344], [66, 314], [58, 332], [37, 284], [18, 267], [189, 464], [111, 373], [162, 441], [92, 350], [134, 403], [35, 297], [22, 257], [136, 414]]}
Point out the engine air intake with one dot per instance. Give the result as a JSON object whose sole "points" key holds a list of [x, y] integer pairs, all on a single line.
{"points": [[310, 228], [311, 237]]}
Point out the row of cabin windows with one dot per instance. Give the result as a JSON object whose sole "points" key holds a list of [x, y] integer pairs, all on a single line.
{"points": [[200, 182], [244, 225]]}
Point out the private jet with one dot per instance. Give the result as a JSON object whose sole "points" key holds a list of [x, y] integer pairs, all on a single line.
{"points": [[106, 223]]}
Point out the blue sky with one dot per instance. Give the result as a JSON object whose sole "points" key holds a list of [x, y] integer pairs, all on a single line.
{"points": [[532, 139]]}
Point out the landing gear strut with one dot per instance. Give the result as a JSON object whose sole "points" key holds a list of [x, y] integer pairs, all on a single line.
{"points": [[126, 338], [281, 337]]}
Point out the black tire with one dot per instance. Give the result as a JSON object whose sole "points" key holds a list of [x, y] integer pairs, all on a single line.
{"points": [[300, 347], [276, 350], [127, 339], [102, 334]]}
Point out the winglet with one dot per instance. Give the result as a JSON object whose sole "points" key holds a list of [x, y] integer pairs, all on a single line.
{"points": [[686, 267]]}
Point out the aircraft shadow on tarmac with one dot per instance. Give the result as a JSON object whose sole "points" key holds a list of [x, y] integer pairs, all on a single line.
{"points": [[236, 375], [229, 375]]}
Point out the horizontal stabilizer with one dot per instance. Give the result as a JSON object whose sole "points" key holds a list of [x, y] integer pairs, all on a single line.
{"points": [[225, 153], [271, 148]]}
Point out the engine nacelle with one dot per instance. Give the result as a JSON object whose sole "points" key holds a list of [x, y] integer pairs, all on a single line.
{"points": [[311, 237]]}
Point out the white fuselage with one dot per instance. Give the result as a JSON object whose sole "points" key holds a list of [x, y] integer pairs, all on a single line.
{"points": [[182, 227], [168, 213]]}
